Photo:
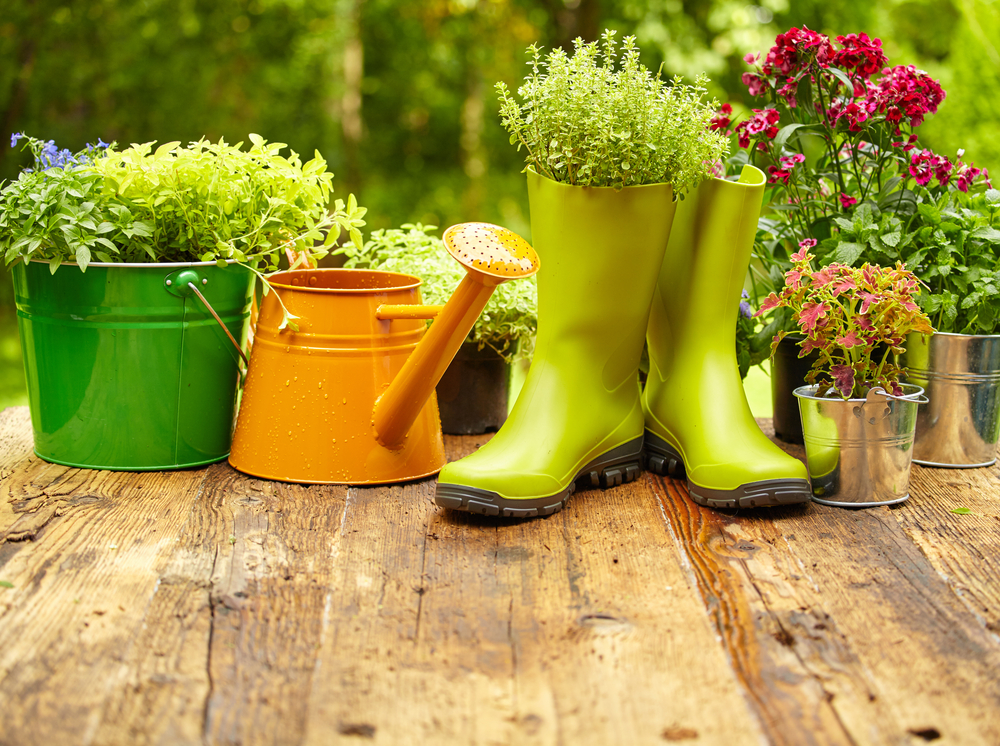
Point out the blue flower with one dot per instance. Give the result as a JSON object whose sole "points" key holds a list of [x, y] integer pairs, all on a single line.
{"points": [[15, 137], [746, 310]]}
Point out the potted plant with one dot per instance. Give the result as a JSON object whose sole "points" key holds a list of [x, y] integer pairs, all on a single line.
{"points": [[473, 395], [132, 356], [837, 130], [858, 419]]}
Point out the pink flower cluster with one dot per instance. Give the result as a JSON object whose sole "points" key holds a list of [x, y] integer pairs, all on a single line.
{"points": [[861, 54], [763, 121], [926, 165], [904, 92], [722, 118], [783, 172]]}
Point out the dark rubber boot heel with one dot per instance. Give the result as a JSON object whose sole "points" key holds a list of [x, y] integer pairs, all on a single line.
{"points": [[662, 458], [617, 466]]}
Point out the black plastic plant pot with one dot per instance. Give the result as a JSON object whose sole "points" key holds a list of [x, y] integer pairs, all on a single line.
{"points": [[788, 372], [472, 394]]}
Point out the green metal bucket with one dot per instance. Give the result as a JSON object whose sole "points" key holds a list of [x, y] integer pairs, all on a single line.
{"points": [[126, 367]]}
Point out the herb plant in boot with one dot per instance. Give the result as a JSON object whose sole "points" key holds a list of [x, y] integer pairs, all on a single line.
{"points": [[609, 145], [698, 421]]}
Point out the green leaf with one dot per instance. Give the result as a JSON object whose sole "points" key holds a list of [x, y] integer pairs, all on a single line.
{"points": [[987, 233], [848, 252], [83, 257], [785, 132], [6, 584], [961, 511], [54, 263]]}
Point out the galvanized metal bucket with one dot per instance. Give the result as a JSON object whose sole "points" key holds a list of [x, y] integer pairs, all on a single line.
{"points": [[859, 450], [127, 368], [959, 426]]}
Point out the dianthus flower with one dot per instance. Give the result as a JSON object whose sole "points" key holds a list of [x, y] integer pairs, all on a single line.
{"points": [[792, 49], [783, 172], [763, 120], [721, 119], [906, 92], [925, 165], [861, 54]]}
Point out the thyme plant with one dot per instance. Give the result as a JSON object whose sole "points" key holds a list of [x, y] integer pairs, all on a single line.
{"points": [[601, 118]]}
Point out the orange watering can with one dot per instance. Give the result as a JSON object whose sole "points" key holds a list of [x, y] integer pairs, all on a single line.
{"points": [[349, 398]]}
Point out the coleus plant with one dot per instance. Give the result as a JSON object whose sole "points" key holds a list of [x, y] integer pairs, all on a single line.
{"points": [[855, 318]]}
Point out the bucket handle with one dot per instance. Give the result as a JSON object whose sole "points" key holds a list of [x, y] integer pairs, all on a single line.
{"points": [[224, 327], [914, 397]]}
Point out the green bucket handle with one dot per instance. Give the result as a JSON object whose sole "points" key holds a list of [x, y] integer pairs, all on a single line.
{"points": [[179, 284]]}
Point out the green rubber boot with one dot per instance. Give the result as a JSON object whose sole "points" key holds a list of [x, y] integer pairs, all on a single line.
{"points": [[579, 414], [698, 421]]}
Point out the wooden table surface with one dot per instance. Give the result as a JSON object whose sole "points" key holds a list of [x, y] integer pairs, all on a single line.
{"points": [[205, 606]]}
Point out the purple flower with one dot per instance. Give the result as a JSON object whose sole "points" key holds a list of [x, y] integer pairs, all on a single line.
{"points": [[15, 137]]}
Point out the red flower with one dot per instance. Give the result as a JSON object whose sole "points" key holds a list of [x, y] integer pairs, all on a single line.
{"points": [[721, 119], [763, 121], [847, 202], [794, 49], [905, 91], [753, 82], [861, 54], [925, 164]]}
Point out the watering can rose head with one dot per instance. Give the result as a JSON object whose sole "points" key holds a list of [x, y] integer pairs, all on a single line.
{"points": [[853, 317]]}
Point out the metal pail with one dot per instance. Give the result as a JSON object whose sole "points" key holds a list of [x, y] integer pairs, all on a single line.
{"points": [[126, 368], [960, 424], [307, 409], [859, 450]]}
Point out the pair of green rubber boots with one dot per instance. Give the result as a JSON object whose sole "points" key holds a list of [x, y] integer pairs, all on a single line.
{"points": [[620, 268]]}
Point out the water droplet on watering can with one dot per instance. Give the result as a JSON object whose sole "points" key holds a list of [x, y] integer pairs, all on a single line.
{"points": [[287, 383], [321, 384], [345, 401]]}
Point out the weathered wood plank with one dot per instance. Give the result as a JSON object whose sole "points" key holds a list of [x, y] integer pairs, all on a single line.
{"points": [[839, 627], [243, 597], [578, 628], [964, 549], [81, 589]]}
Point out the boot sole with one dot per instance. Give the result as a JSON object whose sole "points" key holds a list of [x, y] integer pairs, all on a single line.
{"points": [[661, 458], [617, 466]]}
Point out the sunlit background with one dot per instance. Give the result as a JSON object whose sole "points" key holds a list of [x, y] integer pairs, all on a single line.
{"points": [[398, 95]]}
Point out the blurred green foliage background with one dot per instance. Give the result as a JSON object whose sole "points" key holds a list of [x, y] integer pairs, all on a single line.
{"points": [[398, 96]]}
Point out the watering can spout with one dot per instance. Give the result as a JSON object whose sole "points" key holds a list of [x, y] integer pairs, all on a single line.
{"points": [[490, 255]]}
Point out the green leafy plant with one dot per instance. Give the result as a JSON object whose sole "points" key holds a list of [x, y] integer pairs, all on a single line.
{"points": [[204, 202], [953, 246], [600, 118], [854, 317], [509, 321]]}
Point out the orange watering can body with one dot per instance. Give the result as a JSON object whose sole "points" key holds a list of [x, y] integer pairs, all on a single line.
{"points": [[349, 397]]}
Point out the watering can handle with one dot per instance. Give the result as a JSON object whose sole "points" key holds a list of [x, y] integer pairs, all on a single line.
{"points": [[224, 327], [388, 312]]}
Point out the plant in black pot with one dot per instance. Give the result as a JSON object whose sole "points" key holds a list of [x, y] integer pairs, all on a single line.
{"points": [[858, 419], [132, 354], [474, 394]]}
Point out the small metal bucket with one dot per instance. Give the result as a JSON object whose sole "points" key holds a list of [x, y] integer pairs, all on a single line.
{"points": [[960, 424], [859, 450]]}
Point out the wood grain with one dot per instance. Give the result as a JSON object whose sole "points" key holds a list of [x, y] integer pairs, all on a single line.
{"points": [[839, 627], [578, 628], [204, 606]]}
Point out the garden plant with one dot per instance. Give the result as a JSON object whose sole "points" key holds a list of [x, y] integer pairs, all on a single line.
{"points": [[855, 318]]}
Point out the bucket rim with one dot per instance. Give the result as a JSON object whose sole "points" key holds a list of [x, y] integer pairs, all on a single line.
{"points": [[959, 335], [912, 392], [408, 283], [140, 265]]}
